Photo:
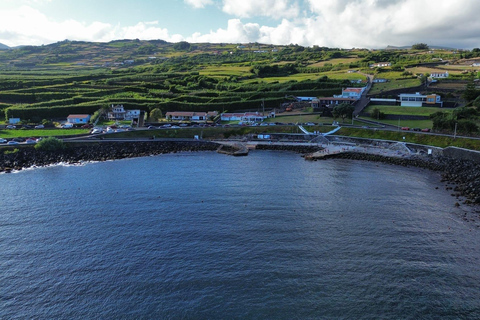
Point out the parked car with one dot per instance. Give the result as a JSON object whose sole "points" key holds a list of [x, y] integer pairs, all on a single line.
{"points": [[405, 128], [426, 130], [96, 131], [417, 129], [152, 127], [3, 140], [11, 142], [67, 126], [39, 126], [87, 126], [11, 126], [30, 141]]}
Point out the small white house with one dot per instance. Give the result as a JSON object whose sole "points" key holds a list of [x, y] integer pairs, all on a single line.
{"points": [[439, 75], [132, 114], [78, 118]]}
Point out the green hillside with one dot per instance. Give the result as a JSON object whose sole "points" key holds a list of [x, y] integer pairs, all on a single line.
{"points": [[52, 81]]}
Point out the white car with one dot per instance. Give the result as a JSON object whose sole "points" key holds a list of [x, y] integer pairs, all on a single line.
{"points": [[30, 141], [12, 142], [10, 126], [96, 131], [3, 140], [40, 126]]}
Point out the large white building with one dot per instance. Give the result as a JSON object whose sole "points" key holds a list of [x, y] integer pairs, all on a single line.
{"points": [[419, 100], [118, 112]]}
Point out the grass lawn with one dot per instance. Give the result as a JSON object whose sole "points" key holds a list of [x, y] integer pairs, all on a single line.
{"points": [[412, 137], [410, 123], [412, 111], [335, 62], [301, 118], [296, 77], [20, 133], [225, 71], [393, 84]]}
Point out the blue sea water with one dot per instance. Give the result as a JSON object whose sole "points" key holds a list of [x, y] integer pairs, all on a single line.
{"points": [[208, 236]]}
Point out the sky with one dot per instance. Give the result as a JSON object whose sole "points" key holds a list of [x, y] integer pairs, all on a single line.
{"points": [[330, 23]]}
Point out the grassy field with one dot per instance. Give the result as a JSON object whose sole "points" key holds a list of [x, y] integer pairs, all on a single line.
{"points": [[335, 62], [411, 137], [225, 71], [413, 111], [378, 88], [8, 134], [410, 123]]}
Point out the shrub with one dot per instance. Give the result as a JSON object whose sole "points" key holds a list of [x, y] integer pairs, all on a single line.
{"points": [[50, 144]]}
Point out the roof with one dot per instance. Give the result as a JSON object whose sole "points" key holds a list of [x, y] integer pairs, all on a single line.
{"points": [[357, 90], [190, 113], [336, 99], [77, 116]]}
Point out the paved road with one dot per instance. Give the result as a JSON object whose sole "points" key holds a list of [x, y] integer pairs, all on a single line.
{"points": [[364, 100]]}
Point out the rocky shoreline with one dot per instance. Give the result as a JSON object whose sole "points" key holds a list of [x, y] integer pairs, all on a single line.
{"points": [[27, 157], [463, 175]]}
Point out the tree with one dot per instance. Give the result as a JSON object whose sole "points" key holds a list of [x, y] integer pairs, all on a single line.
{"points": [[476, 103], [343, 110], [377, 114], [420, 46], [155, 115], [470, 93], [181, 46]]}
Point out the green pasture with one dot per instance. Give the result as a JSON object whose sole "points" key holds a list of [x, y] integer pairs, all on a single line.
{"points": [[21, 133], [393, 84], [412, 111], [337, 61], [225, 71], [410, 123]]}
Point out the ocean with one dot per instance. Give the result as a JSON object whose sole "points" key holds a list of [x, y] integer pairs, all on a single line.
{"points": [[208, 236]]}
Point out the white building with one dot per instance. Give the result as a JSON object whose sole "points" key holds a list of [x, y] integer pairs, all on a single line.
{"points": [[132, 114], [118, 112], [191, 116], [245, 116], [418, 100], [439, 74], [351, 93]]}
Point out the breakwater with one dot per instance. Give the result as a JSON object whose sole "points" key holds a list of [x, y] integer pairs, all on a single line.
{"points": [[26, 157]]}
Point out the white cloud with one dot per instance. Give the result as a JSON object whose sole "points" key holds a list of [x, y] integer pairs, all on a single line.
{"points": [[198, 3], [267, 8], [29, 26], [333, 23]]}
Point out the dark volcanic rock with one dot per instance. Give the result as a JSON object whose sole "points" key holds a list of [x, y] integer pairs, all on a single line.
{"points": [[97, 151]]}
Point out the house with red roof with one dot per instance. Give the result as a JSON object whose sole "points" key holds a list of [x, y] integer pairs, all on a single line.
{"points": [[351, 93]]}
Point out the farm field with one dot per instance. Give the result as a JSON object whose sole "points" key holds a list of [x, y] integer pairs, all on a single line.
{"points": [[50, 82]]}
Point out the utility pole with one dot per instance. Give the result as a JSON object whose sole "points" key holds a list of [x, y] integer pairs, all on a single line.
{"points": [[455, 132]]}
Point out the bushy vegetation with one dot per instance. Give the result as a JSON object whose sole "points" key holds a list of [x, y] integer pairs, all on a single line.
{"points": [[50, 144]]}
